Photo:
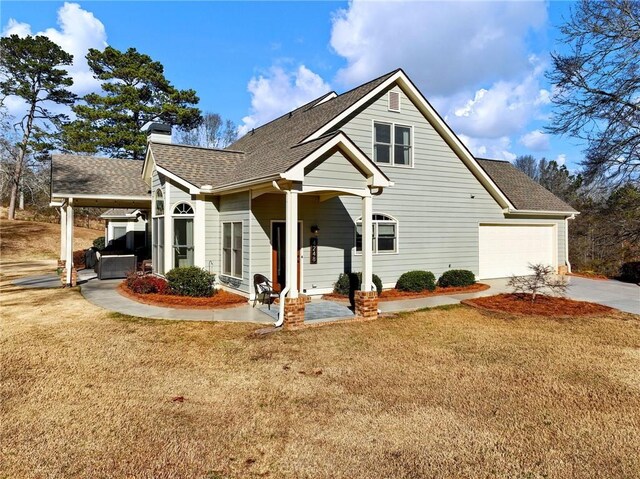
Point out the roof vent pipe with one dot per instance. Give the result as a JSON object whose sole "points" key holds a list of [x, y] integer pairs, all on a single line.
{"points": [[157, 132]]}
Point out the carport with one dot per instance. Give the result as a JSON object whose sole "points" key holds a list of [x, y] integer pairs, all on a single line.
{"points": [[89, 181]]}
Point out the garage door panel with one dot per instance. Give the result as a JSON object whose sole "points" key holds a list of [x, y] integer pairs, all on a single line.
{"points": [[506, 250]]}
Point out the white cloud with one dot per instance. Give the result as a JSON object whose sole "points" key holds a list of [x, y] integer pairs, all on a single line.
{"points": [[279, 91], [505, 108], [444, 46], [493, 148], [535, 140], [15, 27], [561, 159], [78, 31]]}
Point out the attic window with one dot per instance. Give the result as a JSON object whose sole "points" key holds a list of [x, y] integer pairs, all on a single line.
{"points": [[394, 101]]}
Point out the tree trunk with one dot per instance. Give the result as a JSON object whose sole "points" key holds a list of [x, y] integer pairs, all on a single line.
{"points": [[17, 172]]}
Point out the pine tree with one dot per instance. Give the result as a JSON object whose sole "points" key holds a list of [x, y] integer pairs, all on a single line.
{"points": [[135, 91], [30, 69]]}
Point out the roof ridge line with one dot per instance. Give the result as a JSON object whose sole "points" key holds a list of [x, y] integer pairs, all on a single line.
{"points": [[196, 147]]}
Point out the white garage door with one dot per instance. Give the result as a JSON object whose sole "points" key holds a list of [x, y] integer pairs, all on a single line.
{"points": [[508, 250]]}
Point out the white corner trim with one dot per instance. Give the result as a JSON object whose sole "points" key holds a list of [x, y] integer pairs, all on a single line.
{"points": [[199, 240]]}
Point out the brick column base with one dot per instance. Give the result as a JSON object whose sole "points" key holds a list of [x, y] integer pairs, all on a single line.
{"points": [[74, 277], [366, 304], [294, 312], [62, 263]]}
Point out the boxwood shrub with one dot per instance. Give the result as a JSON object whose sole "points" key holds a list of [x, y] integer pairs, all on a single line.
{"points": [[190, 281], [456, 277], [416, 281], [349, 282]]}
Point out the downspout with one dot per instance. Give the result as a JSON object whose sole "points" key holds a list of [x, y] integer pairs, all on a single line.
{"points": [[285, 290]]}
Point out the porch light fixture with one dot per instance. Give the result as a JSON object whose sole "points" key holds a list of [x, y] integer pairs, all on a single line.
{"points": [[315, 229]]}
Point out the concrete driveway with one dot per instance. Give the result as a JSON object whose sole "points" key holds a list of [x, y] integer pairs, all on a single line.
{"points": [[619, 295]]}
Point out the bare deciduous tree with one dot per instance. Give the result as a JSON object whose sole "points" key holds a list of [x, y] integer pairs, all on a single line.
{"points": [[598, 85], [542, 280], [213, 132]]}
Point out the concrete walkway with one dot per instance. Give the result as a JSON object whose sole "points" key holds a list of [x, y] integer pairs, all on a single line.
{"points": [[104, 294], [623, 296]]}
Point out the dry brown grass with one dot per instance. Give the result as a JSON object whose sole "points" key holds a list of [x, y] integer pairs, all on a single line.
{"points": [[31, 240], [442, 393]]}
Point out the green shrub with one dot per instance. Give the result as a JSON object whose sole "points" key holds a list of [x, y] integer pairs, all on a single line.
{"points": [[456, 277], [191, 281], [630, 272], [349, 282], [99, 242], [416, 281]]}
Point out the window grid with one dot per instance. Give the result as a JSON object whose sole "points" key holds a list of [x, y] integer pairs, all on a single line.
{"points": [[384, 234], [392, 144]]}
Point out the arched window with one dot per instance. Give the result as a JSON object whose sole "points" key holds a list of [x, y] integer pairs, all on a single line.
{"points": [[385, 234], [157, 233], [183, 235], [183, 209], [159, 203]]}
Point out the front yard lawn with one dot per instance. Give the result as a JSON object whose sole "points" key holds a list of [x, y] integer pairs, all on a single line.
{"points": [[439, 393]]}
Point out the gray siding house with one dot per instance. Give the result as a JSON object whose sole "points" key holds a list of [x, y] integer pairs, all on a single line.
{"points": [[371, 180]]}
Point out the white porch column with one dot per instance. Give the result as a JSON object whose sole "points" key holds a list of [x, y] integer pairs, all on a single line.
{"points": [[199, 233], [367, 244], [69, 242], [292, 243], [63, 232], [168, 229]]}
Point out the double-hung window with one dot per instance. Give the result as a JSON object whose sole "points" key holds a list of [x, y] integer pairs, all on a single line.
{"points": [[392, 144], [232, 249], [385, 234]]}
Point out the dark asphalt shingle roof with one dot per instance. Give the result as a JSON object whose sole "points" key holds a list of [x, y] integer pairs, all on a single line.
{"points": [[264, 152], [523, 192], [198, 166], [91, 175]]}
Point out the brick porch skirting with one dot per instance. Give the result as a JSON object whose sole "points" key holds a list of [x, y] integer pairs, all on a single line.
{"points": [[74, 277], [366, 304], [294, 312]]}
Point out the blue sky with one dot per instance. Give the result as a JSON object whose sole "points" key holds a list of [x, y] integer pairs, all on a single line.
{"points": [[481, 64]]}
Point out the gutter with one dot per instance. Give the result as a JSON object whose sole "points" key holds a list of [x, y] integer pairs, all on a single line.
{"points": [[513, 211]]}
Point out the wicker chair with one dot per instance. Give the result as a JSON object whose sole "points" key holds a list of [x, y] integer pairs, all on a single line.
{"points": [[264, 290]]}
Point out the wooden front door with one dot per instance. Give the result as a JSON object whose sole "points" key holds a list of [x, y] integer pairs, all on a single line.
{"points": [[278, 254]]}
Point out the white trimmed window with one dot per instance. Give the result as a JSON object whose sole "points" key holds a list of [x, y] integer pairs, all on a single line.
{"points": [[392, 144], [385, 234], [157, 233], [182, 235], [232, 249]]}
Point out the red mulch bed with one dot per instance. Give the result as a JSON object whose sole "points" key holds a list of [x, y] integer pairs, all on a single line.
{"points": [[396, 294], [222, 299], [543, 306]]}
